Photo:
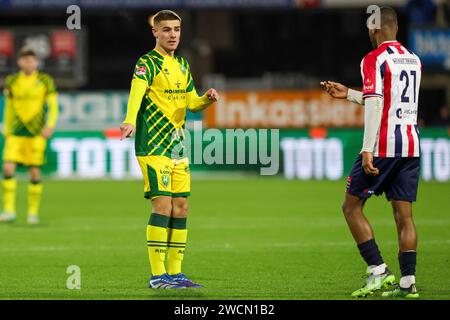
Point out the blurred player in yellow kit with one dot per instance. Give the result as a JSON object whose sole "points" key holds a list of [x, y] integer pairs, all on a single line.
{"points": [[161, 90], [31, 110]]}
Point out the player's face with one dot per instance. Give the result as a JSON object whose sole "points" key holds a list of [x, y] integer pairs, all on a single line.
{"points": [[28, 64], [167, 34]]}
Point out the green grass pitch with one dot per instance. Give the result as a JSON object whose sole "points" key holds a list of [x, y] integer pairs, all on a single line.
{"points": [[248, 239]]}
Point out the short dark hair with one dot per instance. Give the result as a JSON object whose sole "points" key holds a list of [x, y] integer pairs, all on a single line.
{"points": [[388, 16], [27, 52], [164, 15]]}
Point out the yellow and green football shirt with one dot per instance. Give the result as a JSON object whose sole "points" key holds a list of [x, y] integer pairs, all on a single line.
{"points": [[169, 91], [27, 100]]}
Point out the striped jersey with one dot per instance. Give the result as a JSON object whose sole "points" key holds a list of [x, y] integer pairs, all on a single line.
{"points": [[26, 109], [393, 73], [161, 117]]}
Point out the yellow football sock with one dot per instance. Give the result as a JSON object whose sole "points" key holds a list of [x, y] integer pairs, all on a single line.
{"points": [[177, 244], [157, 242], [34, 198], [9, 195]]}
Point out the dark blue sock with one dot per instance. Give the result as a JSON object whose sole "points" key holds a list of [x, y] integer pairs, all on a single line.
{"points": [[407, 262], [369, 251]]}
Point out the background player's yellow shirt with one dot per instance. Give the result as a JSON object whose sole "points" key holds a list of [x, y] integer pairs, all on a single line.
{"points": [[161, 117], [25, 108]]}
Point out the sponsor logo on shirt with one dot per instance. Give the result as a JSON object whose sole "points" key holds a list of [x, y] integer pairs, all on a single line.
{"points": [[140, 71], [175, 91], [368, 85], [405, 113]]}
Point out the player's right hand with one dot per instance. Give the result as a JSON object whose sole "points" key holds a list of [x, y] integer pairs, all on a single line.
{"points": [[126, 130], [335, 89], [367, 164]]}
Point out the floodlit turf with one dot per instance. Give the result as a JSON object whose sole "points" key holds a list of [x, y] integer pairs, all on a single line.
{"points": [[248, 239]]}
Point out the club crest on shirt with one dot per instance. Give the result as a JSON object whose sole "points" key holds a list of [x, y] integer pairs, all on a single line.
{"points": [[140, 71]]}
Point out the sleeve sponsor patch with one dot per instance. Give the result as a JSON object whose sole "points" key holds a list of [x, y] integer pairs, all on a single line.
{"points": [[368, 85], [140, 71]]}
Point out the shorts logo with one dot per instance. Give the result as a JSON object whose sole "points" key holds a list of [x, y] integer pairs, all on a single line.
{"points": [[165, 180], [140, 71], [186, 169]]}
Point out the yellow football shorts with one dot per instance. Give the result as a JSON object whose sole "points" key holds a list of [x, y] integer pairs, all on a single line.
{"points": [[165, 177], [29, 151]]}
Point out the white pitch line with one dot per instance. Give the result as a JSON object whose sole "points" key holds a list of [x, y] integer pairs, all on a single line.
{"points": [[200, 247]]}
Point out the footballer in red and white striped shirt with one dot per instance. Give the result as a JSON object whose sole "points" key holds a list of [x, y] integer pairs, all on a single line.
{"points": [[389, 161], [393, 73]]}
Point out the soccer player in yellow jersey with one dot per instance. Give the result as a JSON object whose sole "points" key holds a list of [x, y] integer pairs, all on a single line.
{"points": [[31, 110], [161, 90]]}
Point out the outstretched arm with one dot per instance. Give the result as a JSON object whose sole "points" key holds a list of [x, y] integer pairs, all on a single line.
{"points": [[355, 96], [339, 91], [196, 103]]}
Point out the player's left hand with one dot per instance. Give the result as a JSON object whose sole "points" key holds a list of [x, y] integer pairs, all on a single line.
{"points": [[367, 164], [213, 95], [47, 132]]}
